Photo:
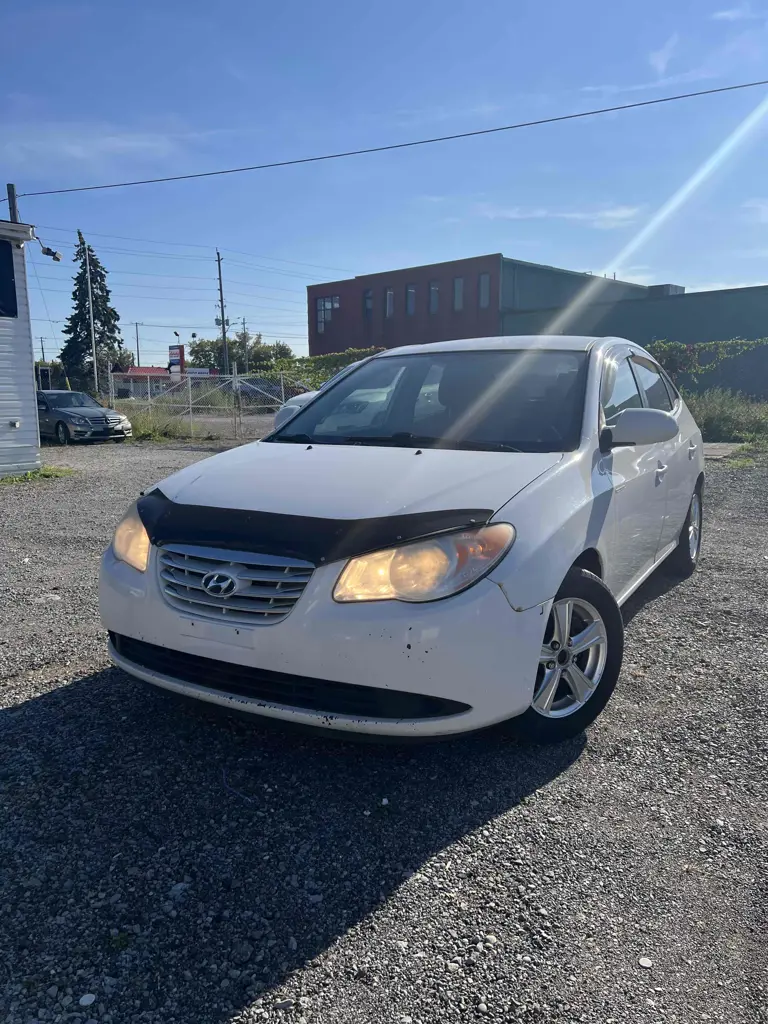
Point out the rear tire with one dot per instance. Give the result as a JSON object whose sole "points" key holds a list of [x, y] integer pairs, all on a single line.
{"points": [[684, 559], [62, 433], [580, 662]]}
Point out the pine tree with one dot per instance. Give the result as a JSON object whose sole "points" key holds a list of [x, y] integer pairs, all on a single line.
{"points": [[76, 355]]}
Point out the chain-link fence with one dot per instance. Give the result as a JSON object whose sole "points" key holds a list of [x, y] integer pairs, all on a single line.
{"points": [[236, 406]]}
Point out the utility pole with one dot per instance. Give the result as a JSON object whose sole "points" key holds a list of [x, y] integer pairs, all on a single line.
{"points": [[245, 346], [13, 206], [224, 342], [42, 347], [90, 317], [138, 355]]}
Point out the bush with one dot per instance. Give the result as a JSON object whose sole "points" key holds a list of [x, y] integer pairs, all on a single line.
{"points": [[728, 416]]}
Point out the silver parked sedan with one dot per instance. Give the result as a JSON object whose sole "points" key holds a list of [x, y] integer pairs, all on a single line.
{"points": [[74, 416]]}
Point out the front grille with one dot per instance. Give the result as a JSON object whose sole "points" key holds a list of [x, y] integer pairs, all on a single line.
{"points": [[266, 587], [279, 688], [113, 421]]}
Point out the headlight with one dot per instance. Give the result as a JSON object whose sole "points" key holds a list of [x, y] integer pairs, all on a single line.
{"points": [[131, 541], [77, 419], [426, 570]]}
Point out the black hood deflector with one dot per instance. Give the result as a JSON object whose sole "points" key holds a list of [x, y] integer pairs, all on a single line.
{"points": [[308, 538]]}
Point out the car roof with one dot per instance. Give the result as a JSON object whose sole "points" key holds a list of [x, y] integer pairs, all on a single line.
{"points": [[59, 391], [557, 342]]}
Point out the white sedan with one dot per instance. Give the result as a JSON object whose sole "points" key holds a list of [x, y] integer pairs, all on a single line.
{"points": [[439, 543]]}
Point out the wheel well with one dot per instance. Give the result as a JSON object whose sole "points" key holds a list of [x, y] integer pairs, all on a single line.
{"points": [[589, 560]]}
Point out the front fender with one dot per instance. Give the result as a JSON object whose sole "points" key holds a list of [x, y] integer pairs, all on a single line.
{"points": [[557, 518]]}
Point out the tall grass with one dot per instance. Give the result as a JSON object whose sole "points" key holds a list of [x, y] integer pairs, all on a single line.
{"points": [[157, 425], [728, 416]]}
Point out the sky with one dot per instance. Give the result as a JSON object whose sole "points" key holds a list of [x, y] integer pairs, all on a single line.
{"points": [[111, 92]]}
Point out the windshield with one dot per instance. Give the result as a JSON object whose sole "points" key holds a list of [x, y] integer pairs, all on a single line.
{"points": [[526, 400], [72, 400]]}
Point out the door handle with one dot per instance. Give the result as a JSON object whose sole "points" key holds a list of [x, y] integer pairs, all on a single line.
{"points": [[692, 449], [661, 469]]}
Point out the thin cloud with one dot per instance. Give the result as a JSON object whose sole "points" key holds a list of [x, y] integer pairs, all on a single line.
{"points": [[640, 274], [605, 218], [716, 286], [33, 147], [439, 115], [659, 59], [743, 12], [758, 209], [684, 78]]}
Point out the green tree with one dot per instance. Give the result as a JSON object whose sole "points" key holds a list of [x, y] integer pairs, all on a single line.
{"points": [[282, 351], [206, 353], [246, 350], [76, 355]]}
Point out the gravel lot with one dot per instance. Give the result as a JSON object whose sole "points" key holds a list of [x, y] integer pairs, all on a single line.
{"points": [[160, 866]]}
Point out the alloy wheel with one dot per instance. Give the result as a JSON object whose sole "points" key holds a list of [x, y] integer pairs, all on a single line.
{"points": [[572, 658]]}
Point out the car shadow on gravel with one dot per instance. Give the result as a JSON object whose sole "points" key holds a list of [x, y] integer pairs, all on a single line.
{"points": [[187, 866], [660, 582]]}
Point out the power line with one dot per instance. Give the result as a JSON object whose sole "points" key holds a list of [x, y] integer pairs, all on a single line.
{"points": [[177, 298], [405, 145], [197, 245], [196, 277], [174, 287], [187, 327]]}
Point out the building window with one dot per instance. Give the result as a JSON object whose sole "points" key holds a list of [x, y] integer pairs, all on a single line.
{"points": [[324, 307], [410, 299], [458, 294], [434, 296], [389, 302], [8, 304], [368, 303], [484, 291]]}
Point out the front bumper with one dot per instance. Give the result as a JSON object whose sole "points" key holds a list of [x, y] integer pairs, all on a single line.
{"points": [[81, 432], [471, 649]]}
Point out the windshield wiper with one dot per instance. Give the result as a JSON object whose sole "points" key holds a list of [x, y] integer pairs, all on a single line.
{"points": [[292, 439], [400, 439], [488, 446]]}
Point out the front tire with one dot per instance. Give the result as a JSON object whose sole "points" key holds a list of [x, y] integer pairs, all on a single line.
{"points": [[579, 663], [684, 559], [62, 433]]}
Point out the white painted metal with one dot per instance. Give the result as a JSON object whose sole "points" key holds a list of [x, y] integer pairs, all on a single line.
{"points": [[482, 646], [19, 445]]}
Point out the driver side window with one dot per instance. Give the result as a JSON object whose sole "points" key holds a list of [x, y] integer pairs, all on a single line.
{"points": [[620, 391]]}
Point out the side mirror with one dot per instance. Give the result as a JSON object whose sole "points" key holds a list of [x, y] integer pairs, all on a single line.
{"points": [[638, 427]]}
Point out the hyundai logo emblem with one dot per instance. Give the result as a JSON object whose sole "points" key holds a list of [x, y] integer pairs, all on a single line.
{"points": [[219, 584]]}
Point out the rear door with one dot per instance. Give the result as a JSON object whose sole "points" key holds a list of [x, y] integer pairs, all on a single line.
{"points": [[678, 454], [637, 481]]}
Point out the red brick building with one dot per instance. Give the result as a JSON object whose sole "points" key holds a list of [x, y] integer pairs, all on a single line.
{"points": [[438, 302]]}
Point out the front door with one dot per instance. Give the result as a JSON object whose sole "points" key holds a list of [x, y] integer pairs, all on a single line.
{"points": [[678, 454], [638, 482], [43, 416]]}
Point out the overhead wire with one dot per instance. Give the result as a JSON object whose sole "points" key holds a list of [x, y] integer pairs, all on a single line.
{"points": [[637, 104], [196, 245]]}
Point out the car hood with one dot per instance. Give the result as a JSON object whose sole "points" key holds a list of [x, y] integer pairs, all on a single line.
{"points": [[354, 482], [93, 415], [302, 399]]}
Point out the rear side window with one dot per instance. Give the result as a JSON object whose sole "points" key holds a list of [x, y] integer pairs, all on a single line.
{"points": [[653, 385], [620, 391], [8, 303]]}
